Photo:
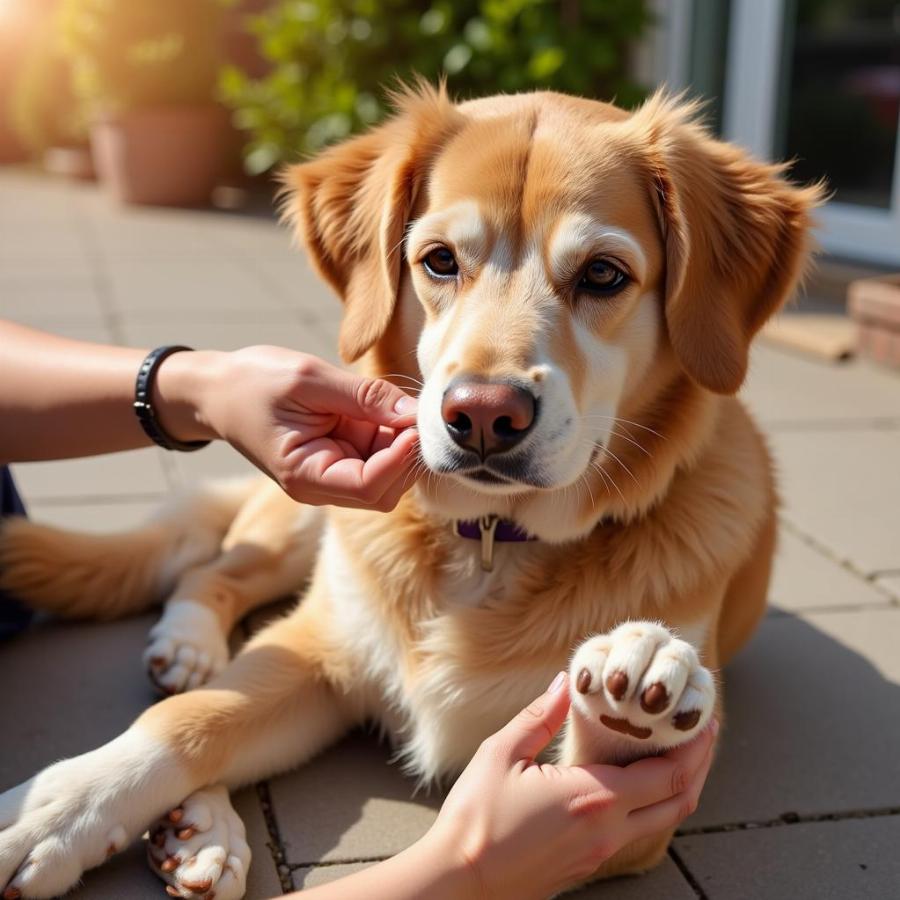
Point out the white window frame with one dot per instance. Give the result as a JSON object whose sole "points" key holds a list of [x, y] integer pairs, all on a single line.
{"points": [[751, 90]]}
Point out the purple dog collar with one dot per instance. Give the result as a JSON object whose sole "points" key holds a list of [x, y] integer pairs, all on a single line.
{"points": [[489, 529]]}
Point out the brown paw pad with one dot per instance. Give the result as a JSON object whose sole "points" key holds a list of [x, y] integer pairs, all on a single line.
{"points": [[623, 726], [172, 891], [12, 893], [617, 685], [583, 681], [185, 834], [654, 699], [685, 721], [170, 864], [197, 887], [175, 815]]}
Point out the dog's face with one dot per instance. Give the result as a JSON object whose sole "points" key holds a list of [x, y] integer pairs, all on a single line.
{"points": [[537, 265], [549, 262]]}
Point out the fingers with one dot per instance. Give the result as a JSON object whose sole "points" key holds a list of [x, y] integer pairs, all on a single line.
{"points": [[533, 728], [668, 813], [327, 473], [653, 779], [332, 390]]}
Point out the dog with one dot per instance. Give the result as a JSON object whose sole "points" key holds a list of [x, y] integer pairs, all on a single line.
{"points": [[575, 288]]}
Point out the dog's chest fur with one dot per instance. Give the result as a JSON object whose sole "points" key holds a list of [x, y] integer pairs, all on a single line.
{"points": [[441, 657]]}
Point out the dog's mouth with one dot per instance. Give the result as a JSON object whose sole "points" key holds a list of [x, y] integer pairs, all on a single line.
{"points": [[495, 473]]}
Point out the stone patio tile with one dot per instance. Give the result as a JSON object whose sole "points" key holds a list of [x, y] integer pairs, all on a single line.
{"points": [[812, 720], [136, 473], [218, 460], [75, 687], [854, 858], [94, 330], [805, 578], [97, 517], [841, 488], [216, 335], [46, 270], [25, 302], [665, 882], [349, 804], [786, 389], [189, 284]]}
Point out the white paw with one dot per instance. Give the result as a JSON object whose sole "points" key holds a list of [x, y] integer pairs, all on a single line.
{"points": [[642, 685], [200, 849], [78, 812], [185, 648]]}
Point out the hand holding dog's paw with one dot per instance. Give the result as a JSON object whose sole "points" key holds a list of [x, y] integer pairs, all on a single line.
{"points": [[200, 849], [640, 685]]}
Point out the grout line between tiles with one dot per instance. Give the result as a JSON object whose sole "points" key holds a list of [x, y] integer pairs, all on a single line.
{"points": [[790, 818], [687, 874], [275, 843], [325, 863]]}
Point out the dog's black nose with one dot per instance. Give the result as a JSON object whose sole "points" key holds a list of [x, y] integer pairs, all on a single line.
{"points": [[487, 417]]}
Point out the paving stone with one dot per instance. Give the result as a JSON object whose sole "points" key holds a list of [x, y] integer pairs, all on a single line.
{"points": [[805, 578], [217, 335], [663, 882], [812, 720], [93, 330], [218, 460], [69, 689], [854, 858], [842, 489], [102, 518], [349, 804], [790, 390], [136, 473], [192, 284], [38, 304]]}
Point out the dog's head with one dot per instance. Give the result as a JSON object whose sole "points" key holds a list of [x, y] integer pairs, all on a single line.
{"points": [[552, 265]]}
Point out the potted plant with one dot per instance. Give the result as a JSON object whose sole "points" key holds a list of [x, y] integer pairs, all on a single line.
{"points": [[146, 73], [44, 113]]}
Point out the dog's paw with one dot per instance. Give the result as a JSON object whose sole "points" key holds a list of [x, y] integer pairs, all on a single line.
{"points": [[78, 812], [642, 685], [185, 648], [200, 849]]}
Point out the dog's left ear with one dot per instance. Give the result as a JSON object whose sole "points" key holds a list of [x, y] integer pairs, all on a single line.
{"points": [[737, 239], [351, 204]]}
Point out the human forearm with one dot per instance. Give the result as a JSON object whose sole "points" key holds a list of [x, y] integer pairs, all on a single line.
{"points": [[63, 398], [426, 869]]}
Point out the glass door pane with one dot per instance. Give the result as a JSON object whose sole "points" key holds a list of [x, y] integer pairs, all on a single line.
{"points": [[839, 101]]}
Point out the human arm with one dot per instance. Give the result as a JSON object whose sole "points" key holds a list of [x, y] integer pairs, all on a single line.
{"points": [[515, 828], [327, 436]]}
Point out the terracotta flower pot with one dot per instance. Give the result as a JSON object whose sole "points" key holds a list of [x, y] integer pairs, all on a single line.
{"points": [[165, 156]]}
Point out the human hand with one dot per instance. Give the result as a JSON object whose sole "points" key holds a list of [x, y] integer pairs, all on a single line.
{"points": [[325, 435], [524, 829]]}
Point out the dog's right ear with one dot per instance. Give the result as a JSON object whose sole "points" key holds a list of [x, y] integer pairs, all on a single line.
{"points": [[351, 204]]}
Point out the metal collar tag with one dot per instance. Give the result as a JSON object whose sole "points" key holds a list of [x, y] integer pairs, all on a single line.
{"points": [[488, 525]]}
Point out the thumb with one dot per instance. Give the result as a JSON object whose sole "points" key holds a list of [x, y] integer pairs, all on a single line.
{"points": [[367, 400], [533, 728]]}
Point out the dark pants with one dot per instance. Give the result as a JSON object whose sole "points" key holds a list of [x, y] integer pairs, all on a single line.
{"points": [[14, 617]]}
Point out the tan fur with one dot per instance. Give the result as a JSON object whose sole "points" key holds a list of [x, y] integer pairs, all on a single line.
{"points": [[675, 523]]}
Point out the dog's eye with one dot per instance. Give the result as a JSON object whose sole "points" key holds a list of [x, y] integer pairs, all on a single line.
{"points": [[602, 277], [441, 263]]}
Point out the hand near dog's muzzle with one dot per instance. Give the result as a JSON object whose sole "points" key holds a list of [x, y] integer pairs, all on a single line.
{"points": [[327, 436]]}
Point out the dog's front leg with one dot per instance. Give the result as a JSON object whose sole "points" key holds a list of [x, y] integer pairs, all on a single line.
{"points": [[272, 708]]}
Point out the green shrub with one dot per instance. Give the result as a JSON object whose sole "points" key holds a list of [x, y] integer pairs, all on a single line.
{"points": [[331, 60], [130, 54], [43, 109]]}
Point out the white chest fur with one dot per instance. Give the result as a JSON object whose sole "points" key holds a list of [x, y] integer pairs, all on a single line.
{"points": [[436, 713]]}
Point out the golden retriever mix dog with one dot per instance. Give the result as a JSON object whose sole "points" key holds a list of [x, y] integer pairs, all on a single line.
{"points": [[576, 288]]}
